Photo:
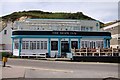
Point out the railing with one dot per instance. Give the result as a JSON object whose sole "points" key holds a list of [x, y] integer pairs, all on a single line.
{"points": [[23, 54], [96, 52]]}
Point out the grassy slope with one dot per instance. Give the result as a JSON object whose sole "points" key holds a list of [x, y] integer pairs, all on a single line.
{"points": [[49, 15]]}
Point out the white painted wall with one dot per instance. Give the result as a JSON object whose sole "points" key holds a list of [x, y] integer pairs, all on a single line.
{"points": [[6, 38], [55, 24], [1, 37], [115, 46], [90, 23], [1, 47]]}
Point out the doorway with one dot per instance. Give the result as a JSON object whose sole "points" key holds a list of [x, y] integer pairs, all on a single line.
{"points": [[64, 48]]}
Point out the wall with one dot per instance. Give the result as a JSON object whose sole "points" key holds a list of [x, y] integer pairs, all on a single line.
{"points": [[56, 24], [1, 37], [115, 33], [1, 47], [6, 38], [90, 23]]}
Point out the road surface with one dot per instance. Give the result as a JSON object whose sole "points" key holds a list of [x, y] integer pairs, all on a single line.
{"points": [[58, 69]]}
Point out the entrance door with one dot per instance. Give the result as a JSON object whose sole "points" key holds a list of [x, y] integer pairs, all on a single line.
{"points": [[64, 48]]}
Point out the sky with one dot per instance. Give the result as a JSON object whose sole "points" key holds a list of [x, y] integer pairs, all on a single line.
{"points": [[102, 10]]}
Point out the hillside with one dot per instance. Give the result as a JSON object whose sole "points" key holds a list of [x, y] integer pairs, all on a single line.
{"points": [[49, 15]]}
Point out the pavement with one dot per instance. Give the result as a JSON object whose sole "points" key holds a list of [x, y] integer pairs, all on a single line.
{"points": [[54, 59], [0, 69], [26, 68]]}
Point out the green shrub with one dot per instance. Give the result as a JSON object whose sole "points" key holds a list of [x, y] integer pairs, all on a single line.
{"points": [[6, 54]]}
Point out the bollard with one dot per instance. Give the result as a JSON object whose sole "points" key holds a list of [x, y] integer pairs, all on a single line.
{"points": [[4, 61]]}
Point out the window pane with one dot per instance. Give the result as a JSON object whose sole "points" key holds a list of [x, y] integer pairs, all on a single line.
{"points": [[41, 44], [82, 28], [5, 31], [34, 45], [91, 28], [38, 44], [64, 46], [90, 44], [16, 45], [27, 44], [82, 44], [101, 44], [86, 44], [74, 44], [94, 45], [31, 45], [86, 28], [23, 44], [54, 45], [45, 45]]}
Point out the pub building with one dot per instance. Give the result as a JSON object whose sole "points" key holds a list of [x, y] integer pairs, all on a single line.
{"points": [[56, 36]]}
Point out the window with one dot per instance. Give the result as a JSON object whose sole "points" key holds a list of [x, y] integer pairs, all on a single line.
{"points": [[87, 29], [86, 44], [54, 45], [91, 28], [64, 46], [34, 44], [74, 44], [16, 45], [5, 31], [27, 44], [82, 44], [42, 45], [38, 44], [31, 45], [101, 44], [97, 24], [92, 44], [83, 28], [118, 38], [97, 44], [45, 44], [23, 44], [76, 28]]}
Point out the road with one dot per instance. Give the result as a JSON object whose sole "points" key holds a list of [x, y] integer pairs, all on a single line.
{"points": [[59, 69]]}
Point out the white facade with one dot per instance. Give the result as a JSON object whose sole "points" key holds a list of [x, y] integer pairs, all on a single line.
{"points": [[57, 25], [5, 35], [56, 36], [115, 34], [41, 25], [41, 44]]}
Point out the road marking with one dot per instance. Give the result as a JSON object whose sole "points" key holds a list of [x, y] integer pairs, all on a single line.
{"points": [[47, 69]]}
